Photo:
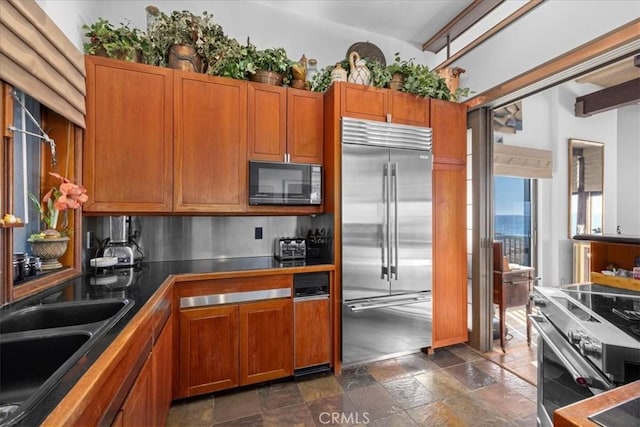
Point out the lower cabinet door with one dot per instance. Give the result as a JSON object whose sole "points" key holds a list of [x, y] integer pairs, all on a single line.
{"points": [[137, 409], [208, 349], [312, 337], [162, 369], [266, 345]]}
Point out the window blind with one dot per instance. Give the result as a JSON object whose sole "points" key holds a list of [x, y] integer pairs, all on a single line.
{"points": [[510, 160], [37, 58]]}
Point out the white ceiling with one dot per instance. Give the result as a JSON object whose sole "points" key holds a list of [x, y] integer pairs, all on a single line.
{"points": [[411, 21]]}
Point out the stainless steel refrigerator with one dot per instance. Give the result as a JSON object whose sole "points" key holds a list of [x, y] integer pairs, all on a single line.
{"points": [[386, 240]]}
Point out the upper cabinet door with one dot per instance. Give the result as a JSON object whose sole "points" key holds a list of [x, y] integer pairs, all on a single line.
{"points": [[129, 138], [267, 122], [408, 109], [371, 103], [449, 123], [210, 153], [305, 112], [363, 102]]}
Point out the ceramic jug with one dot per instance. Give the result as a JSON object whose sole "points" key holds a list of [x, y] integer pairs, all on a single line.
{"points": [[338, 74], [359, 74]]}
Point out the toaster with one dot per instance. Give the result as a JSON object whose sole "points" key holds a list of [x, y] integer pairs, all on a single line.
{"points": [[286, 248]]}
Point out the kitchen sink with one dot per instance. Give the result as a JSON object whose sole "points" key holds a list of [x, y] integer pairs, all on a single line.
{"points": [[41, 343], [27, 363], [59, 315]]}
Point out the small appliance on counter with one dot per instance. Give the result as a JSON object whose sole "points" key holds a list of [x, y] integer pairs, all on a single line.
{"points": [[121, 244], [290, 248], [317, 243]]}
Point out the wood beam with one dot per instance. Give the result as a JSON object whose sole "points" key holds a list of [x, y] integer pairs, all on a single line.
{"points": [[593, 49], [523, 10], [461, 23], [626, 93]]}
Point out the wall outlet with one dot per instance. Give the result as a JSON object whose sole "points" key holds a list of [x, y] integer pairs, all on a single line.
{"points": [[257, 233], [89, 239]]}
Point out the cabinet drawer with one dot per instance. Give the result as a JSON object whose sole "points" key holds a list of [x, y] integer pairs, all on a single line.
{"points": [[516, 293], [516, 276]]}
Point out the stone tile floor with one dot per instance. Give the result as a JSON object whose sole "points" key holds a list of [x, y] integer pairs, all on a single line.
{"points": [[456, 386]]}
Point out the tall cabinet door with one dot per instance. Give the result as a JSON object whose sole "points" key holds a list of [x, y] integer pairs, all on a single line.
{"points": [[266, 340], [210, 154], [129, 138], [448, 120]]}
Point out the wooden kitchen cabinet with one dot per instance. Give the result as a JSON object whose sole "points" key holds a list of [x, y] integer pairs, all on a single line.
{"points": [[210, 147], [305, 116], [284, 124], [266, 122], [162, 368], [312, 332], [266, 340], [137, 408], [208, 349], [371, 103], [448, 121], [449, 124], [128, 145]]}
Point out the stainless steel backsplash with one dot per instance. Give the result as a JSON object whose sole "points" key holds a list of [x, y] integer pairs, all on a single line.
{"points": [[177, 238]]}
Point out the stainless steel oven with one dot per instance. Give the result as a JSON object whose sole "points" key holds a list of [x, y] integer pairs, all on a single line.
{"points": [[564, 377], [589, 342]]}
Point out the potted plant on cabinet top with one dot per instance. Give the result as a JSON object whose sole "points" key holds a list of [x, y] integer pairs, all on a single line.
{"points": [[399, 71], [236, 62], [122, 42], [51, 244], [272, 66], [185, 41]]}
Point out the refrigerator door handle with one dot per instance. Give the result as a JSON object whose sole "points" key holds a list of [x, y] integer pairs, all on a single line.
{"points": [[362, 306], [384, 274], [394, 266]]}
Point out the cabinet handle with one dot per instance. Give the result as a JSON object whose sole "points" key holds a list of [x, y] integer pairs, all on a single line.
{"points": [[234, 297]]}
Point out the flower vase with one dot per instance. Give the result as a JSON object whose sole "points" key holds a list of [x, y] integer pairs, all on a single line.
{"points": [[49, 250]]}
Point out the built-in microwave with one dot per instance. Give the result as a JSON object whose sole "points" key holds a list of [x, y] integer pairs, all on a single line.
{"points": [[275, 183]]}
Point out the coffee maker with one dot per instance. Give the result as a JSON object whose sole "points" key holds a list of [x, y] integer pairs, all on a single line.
{"points": [[121, 243]]}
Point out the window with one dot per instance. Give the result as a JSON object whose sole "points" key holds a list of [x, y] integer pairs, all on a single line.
{"points": [[512, 218]]}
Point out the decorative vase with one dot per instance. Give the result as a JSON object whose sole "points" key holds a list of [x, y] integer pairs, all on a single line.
{"points": [[451, 77], [185, 58], [312, 69], [338, 74], [359, 74], [397, 81], [268, 77], [49, 250]]}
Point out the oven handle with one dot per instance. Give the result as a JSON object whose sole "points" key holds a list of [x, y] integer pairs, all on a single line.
{"points": [[581, 380]]}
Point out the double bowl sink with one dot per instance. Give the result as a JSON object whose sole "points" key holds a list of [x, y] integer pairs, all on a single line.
{"points": [[39, 344]]}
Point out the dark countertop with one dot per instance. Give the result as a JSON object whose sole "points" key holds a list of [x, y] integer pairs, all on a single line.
{"points": [[146, 280], [609, 238]]}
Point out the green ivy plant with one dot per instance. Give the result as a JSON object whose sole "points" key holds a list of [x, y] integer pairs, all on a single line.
{"points": [[423, 82], [273, 59], [400, 66], [123, 42], [380, 75], [236, 62], [183, 27]]}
